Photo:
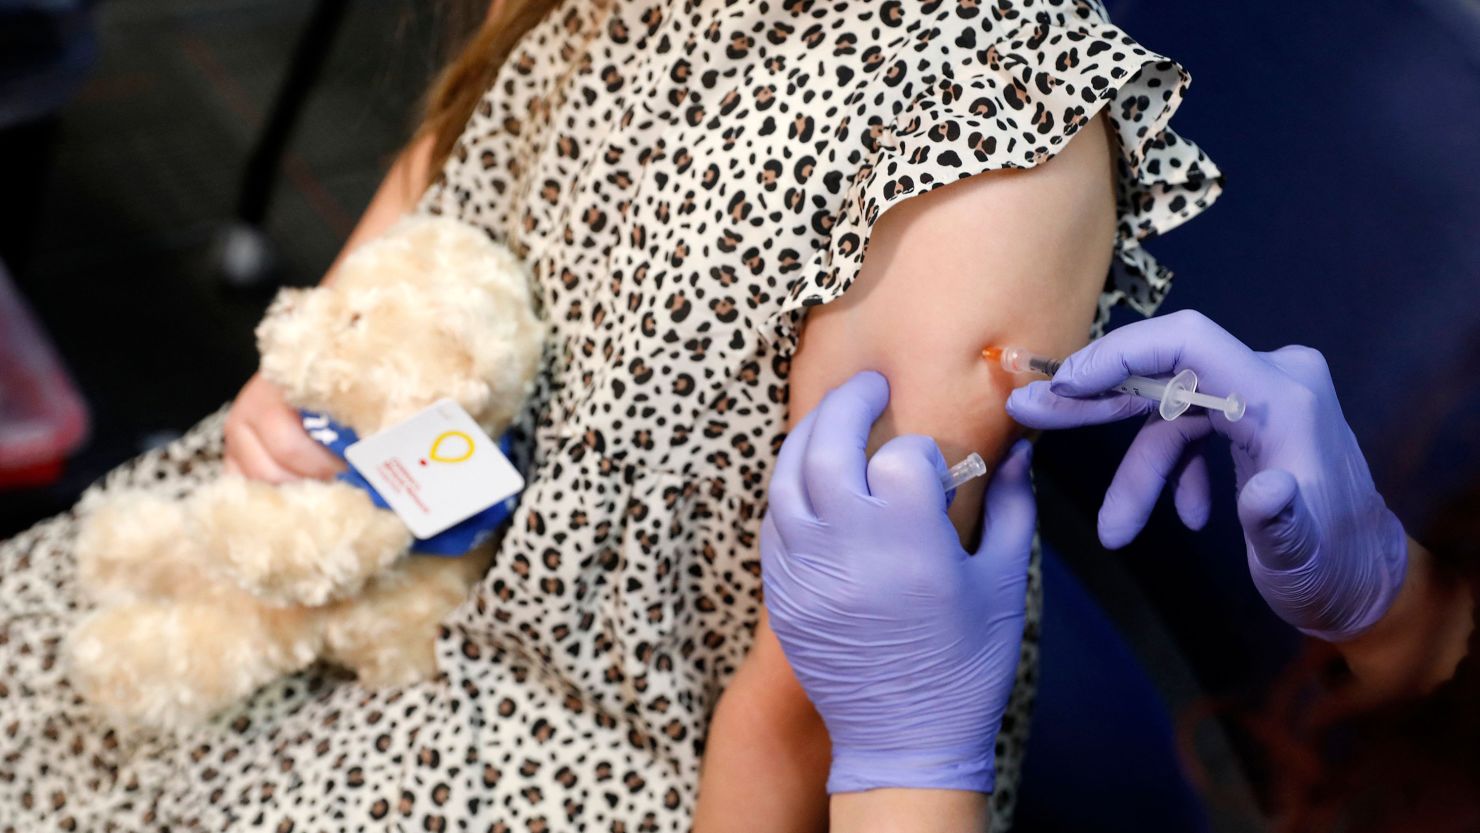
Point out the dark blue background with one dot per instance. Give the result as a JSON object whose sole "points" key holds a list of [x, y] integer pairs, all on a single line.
{"points": [[1349, 135]]}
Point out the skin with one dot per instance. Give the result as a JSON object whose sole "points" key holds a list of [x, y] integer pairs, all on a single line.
{"points": [[910, 811], [1002, 257], [1418, 643]]}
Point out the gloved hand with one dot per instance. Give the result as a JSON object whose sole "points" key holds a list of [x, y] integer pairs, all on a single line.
{"points": [[1323, 548], [906, 643]]}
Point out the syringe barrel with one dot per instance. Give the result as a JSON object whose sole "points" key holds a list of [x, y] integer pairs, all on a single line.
{"points": [[1020, 360], [1143, 387], [1016, 359], [1045, 365], [1170, 396]]}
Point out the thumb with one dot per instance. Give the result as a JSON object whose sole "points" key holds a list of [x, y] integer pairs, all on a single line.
{"points": [[1277, 525], [907, 472], [1011, 512]]}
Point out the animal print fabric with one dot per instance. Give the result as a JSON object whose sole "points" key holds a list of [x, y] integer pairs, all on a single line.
{"points": [[686, 178]]}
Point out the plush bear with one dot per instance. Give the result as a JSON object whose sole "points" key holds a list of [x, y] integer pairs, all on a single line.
{"points": [[203, 599]]}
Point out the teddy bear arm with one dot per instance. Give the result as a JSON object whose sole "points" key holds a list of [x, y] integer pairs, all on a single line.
{"points": [[308, 542]]}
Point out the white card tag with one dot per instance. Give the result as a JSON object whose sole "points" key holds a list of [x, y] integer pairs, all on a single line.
{"points": [[436, 469]]}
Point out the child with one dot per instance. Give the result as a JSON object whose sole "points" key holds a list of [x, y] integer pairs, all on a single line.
{"points": [[690, 182]]}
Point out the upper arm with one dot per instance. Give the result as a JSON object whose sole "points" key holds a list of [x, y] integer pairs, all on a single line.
{"points": [[398, 194], [998, 258]]}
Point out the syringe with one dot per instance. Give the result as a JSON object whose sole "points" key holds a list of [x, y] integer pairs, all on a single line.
{"points": [[1174, 395], [969, 469]]}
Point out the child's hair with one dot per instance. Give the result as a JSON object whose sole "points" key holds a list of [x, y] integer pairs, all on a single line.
{"points": [[457, 90]]}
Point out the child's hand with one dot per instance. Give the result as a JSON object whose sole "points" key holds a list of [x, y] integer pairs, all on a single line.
{"points": [[265, 439]]}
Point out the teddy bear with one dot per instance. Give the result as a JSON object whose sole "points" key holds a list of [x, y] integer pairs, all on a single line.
{"points": [[200, 600]]}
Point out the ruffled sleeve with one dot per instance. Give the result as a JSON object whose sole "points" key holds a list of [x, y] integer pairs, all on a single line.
{"points": [[1013, 100]]}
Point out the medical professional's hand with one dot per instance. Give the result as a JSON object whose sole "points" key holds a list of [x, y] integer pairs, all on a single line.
{"points": [[906, 643], [265, 439], [1323, 548]]}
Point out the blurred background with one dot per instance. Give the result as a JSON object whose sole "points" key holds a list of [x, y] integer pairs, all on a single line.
{"points": [[165, 164], [134, 137]]}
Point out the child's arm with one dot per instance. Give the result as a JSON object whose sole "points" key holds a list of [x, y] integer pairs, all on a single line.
{"points": [[911, 811], [1004, 257], [264, 439], [767, 756]]}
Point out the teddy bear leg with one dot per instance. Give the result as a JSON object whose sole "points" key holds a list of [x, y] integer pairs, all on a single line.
{"points": [[302, 543], [173, 665], [387, 635], [131, 545]]}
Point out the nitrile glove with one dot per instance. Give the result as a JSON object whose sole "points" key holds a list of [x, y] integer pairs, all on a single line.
{"points": [[1324, 550], [906, 643]]}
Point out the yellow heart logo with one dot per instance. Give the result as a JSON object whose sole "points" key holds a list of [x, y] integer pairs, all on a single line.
{"points": [[437, 453]]}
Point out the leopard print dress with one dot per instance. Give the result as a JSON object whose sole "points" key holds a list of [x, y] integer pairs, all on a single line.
{"points": [[686, 178]]}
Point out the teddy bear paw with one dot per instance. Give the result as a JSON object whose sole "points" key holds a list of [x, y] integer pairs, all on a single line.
{"points": [[173, 666]]}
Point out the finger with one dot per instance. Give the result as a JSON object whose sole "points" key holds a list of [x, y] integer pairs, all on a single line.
{"points": [[1010, 510], [1277, 525], [787, 496], [773, 554], [1138, 482], [282, 435], [779, 576], [1305, 364], [836, 466], [1158, 347], [1192, 491], [254, 461], [907, 473], [1037, 406]]}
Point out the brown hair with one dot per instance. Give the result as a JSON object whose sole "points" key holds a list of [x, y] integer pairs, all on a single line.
{"points": [[461, 84]]}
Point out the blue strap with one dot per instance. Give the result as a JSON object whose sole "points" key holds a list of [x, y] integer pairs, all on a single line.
{"points": [[453, 541]]}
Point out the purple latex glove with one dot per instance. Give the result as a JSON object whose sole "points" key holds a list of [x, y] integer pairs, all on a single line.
{"points": [[906, 643], [1324, 550]]}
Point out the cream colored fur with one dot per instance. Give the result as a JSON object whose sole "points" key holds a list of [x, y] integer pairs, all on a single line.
{"points": [[202, 600]]}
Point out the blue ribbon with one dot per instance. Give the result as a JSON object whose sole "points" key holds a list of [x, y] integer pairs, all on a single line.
{"points": [[455, 540]]}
